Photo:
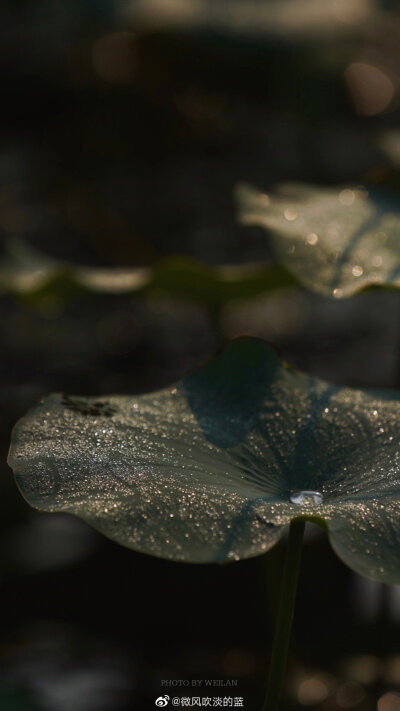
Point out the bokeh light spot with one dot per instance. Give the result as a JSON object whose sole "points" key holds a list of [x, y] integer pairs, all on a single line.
{"points": [[370, 88], [389, 702], [312, 691]]}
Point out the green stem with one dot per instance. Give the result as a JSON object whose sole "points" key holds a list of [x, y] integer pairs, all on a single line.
{"points": [[283, 628]]}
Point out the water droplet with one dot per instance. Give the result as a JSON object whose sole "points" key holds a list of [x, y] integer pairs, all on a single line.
{"points": [[306, 498], [357, 270], [290, 214], [337, 293], [312, 239]]}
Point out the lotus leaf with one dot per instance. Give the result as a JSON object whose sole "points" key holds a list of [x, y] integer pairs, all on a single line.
{"points": [[27, 272], [312, 20], [335, 242], [215, 467]]}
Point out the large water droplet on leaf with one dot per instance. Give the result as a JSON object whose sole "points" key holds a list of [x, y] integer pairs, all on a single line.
{"points": [[306, 498]]}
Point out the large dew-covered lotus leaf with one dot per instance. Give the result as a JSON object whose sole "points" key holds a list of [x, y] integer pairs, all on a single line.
{"points": [[214, 468], [335, 242]]}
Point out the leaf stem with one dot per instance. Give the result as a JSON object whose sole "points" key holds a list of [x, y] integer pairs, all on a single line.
{"points": [[283, 628]]}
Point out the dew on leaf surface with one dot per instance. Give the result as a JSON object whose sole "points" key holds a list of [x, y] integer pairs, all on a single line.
{"points": [[306, 498], [221, 465]]}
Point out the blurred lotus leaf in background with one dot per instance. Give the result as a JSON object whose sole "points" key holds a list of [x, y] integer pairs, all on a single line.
{"points": [[215, 467], [308, 18], [335, 242], [27, 272]]}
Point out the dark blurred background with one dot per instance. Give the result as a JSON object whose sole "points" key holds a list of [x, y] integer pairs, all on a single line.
{"points": [[124, 127]]}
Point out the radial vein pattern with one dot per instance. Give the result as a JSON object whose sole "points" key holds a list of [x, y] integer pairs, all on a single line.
{"points": [[215, 467]]}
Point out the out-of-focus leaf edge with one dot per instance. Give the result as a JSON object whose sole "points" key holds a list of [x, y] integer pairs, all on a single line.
{"points": [[178, 277]]}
